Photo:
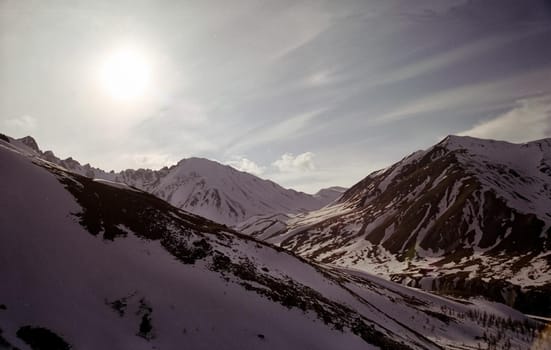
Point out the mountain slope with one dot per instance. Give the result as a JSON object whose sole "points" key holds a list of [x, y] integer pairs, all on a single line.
{"points": [[204, 187], [330, 194], [99, 265], [465, 216]]}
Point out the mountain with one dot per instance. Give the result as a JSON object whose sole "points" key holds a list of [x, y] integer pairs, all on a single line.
{"points": [[330, 194], [203, 187], [95, 264], [263, 226], [466, 217]]}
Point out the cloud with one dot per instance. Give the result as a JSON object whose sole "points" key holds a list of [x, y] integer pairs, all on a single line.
{"points": [[300, 163], [470, 97], [182, 124], [186, 112], [529, 120], [24, 124], [284, 130], [319, 78], [247, 165], [447, 58]]}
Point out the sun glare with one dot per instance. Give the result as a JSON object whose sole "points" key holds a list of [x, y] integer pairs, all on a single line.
{"points": [[125, 74]]}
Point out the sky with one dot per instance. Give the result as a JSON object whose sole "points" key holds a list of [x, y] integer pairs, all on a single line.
{"points": [[309, 94]]}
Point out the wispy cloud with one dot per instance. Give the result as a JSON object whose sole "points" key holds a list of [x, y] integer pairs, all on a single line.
{"points": [[442, 60], [319, 78], [22, 125], [287, 129], [470, 97], [187, 112], [529, 120]]}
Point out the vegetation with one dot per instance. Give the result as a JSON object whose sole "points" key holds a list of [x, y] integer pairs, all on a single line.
{"points": [[39, 338], [293, 295]]}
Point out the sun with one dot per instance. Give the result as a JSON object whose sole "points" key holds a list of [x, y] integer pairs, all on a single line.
{"points": [[125, 74]]}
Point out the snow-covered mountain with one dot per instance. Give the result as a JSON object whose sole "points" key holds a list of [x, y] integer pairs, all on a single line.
{"points": [[466, 217], [94, 264], [204, 187]]}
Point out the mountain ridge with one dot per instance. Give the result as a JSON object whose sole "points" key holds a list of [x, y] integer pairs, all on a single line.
{"points": [[202, 186], [465, 214]]}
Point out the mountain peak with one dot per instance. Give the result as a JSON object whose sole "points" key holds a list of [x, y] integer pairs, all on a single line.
{"points": [[454, 142], [198, 161], [29, 142], [424, 218], [330, 193], [201, 186], [202, 166]]}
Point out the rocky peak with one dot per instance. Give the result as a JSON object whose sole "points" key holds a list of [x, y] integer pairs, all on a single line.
{"points": [[330, 193], [29, 142]]}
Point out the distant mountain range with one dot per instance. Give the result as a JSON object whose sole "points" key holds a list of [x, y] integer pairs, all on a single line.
{"points": [[466, 217], [95, 264], [215, 191]]}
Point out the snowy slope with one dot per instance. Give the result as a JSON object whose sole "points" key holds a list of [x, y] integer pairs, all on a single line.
{"points": [[97, 265], [224, 194], [466, 216], [203, 187]]}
